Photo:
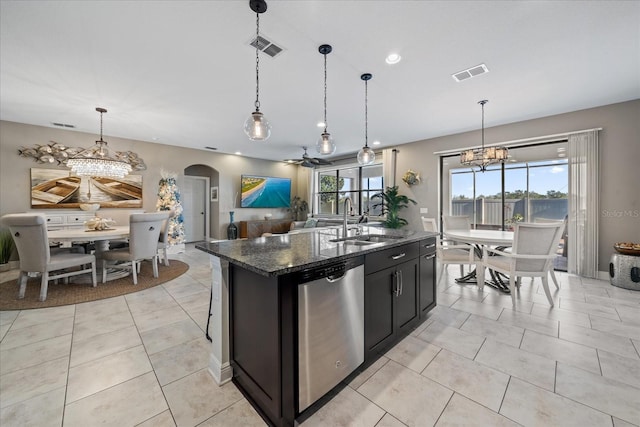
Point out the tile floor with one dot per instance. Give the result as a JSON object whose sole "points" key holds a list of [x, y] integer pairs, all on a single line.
{"points": [[141, 360]]}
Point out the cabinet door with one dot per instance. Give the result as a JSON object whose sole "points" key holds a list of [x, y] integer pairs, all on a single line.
{"points": [[427, 283], [407, 312], [379, 309]]}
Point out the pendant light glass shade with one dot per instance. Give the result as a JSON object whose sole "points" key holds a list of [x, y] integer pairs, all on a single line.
{"points": [[325, 145], [257, 127], [366, 155], [96, 161]]}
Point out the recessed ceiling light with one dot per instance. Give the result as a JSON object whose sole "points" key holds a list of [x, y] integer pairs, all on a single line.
{"points": [[320, 124], [393, 58], [238, 153], [376, 142]]}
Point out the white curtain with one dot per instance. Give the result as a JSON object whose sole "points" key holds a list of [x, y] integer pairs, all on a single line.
{"points": [[583, 204], [389, 166]]}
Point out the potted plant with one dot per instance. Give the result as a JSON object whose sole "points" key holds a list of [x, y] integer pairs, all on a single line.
{"points": [[391, 202], [298, 208], [6, 249]]}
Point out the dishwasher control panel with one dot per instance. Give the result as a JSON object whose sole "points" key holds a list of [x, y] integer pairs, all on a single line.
{"points": [[331, 270]]}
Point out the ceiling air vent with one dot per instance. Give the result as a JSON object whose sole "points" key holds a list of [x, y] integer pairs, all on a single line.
{"points": [[266, 46], [470, 72], [63, 125]]}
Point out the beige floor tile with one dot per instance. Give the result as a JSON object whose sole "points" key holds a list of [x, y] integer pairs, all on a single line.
{"points": [[469, 378], [564, 351], [164, 419], [102, 325], [521, 364], [363, 376], [93, 310], [478, 308], [504, 301], [25, 384], [196, 301], [158, 318], [617, 422], [615, 327], [34, 354], [452, 339], [238, 414], [43, 410], [411, 398], [32, 334], [28, 318], [7, 317], [182, 360], [413, 353], [197, 397], [629, 315], [155, 302], [532, 406], [499, 331], [529, 322], [469, 292], [390, 421], [102, 345], [563, 316], [594, 309], [347, 408], [128, 403], [465, 412], [183, 288], [607, 395], [448, 316], [168, 336], [99, 374], [447, 300], [200, 317], [3, 331], [597, 339], [620, 368]]}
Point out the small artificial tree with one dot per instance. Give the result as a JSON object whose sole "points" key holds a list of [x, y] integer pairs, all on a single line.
{"points": [[169, 200], [391, 203], [298, 207]]}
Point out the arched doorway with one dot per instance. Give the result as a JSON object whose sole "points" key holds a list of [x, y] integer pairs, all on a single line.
{"points": [[200, 207]]}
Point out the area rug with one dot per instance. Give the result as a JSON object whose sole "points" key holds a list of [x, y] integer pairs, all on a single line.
{"points": [[64, 294]]}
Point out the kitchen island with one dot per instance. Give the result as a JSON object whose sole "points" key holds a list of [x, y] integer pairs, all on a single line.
{"points": [[294, 314]]}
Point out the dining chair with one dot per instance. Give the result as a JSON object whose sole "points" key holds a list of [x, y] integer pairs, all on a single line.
{"points": [[563, 235], [29, 233], [448, 252], [532, 254], [144, 234], [163, 240], [456, 222]]}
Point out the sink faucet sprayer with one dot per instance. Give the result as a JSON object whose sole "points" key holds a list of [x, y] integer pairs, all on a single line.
{"points": [[344, 223]]}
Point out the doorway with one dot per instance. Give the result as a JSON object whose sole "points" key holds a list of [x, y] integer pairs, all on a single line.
{"points": [[195, 206]]}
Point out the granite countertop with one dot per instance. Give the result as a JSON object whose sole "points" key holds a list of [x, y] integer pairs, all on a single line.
{"points": [[286, 253]]}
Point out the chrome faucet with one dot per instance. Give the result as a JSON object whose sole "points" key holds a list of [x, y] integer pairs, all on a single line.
{"points": [[344, 222]]}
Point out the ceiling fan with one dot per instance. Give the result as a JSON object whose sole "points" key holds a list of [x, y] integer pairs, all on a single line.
{"points": [[308, 161]]}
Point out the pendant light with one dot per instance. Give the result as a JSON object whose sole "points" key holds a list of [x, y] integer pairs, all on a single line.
{"points": [[96, 161], [366, 156], [483, 157], [256, 126], [325, 144]]}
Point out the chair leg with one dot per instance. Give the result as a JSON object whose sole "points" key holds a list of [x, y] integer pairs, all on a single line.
{"points": [[443, 270], [134, 271], [104, 271], [166, 257], [519, 281], [512, 289], [480, 276], [545, 285], [154, 261], [94, 281], [44, 284], [553, 277], [461, 270], [22, 281]]}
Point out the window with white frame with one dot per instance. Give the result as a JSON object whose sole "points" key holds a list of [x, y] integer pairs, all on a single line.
{"points": [[360, 183]]}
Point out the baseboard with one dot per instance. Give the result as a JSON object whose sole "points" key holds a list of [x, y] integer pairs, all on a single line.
{"points": [[221, 373], [603, 275]]}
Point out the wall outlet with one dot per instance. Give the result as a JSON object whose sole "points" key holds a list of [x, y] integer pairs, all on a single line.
{"points": [[424, 210]]}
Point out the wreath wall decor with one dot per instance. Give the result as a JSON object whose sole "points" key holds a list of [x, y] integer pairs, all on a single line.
{"points": [[411, 178]]}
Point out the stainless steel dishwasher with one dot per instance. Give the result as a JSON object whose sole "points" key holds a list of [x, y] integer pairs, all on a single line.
{"points": [[330, 327]]}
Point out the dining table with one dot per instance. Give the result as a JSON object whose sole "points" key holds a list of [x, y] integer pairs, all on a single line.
{"points": [[101, 238], [499, 239]]}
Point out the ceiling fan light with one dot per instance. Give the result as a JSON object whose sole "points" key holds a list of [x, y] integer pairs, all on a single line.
{"points": [[366, 156], [257, 127], [325, 144]]}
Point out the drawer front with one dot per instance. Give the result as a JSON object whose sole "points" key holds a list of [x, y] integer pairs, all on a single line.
{"points": [[390, 257], [55, 219], [427, 246], [78, 219]]}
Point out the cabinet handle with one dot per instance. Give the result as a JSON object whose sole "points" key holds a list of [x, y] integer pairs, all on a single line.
{"points": [[399, 282], [430, 256], [394, 289], [333, 279], [394, 257], [433, 245]]}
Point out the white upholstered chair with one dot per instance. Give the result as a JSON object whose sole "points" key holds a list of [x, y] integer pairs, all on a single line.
{"points": [[163, 240], [456, 223], [532, 254], [29, 233], [144, 234], [449, 253], [564, 228]]}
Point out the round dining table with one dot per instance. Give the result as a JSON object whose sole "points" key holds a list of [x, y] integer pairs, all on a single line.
{"points": [[480, 238]]}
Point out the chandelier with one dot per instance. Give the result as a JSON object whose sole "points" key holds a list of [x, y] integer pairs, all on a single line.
{"points": [[326, 144], [482, 157], [366, 156], [257, 127], [96, 161]]}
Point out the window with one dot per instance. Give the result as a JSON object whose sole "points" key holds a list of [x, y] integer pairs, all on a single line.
{"points": [[360, 183]]}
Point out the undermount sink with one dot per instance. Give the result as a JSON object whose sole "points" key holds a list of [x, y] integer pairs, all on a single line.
{"points": [[366, 239]]}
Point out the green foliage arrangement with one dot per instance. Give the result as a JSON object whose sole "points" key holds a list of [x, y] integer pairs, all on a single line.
{"points": [[392, 202], [298, 208], [6, 246]]}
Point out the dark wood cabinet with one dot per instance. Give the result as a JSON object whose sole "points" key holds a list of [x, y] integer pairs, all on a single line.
{"points": [[427, 276], [391, 297]]}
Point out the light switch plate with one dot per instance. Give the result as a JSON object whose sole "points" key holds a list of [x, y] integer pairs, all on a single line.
{"points": [[424, 210]]}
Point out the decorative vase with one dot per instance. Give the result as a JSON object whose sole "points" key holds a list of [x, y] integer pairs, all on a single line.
{"points": [[232, 230]]}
